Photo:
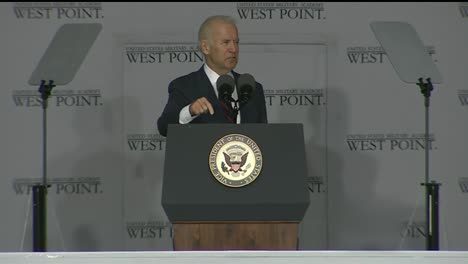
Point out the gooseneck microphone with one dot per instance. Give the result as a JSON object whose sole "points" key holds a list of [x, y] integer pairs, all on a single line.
{"points": [[225, 86], [245, 88]]}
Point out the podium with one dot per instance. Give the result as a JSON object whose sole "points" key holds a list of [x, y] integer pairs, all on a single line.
{"points": [[209, 212]]}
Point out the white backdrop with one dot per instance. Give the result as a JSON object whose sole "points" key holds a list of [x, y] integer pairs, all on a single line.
{"points": [[320, 65]]}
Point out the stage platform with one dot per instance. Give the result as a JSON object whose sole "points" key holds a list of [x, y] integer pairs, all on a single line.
{"points": [[239, 257]]}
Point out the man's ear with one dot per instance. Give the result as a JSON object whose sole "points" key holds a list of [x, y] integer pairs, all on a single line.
{"points": [[205, 47]]}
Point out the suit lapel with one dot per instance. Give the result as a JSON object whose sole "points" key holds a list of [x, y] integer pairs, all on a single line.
{"points": [[207, 90], [205, 86]]}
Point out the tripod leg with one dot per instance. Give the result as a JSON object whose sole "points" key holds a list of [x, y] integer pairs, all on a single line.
{"points": [[432, 203], [39, 218]]}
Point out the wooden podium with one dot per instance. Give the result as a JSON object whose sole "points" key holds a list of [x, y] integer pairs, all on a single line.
{"points": [[235, 236], [207, 215]]}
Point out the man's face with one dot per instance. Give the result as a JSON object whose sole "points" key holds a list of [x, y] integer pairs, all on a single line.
{"points": [[222, 47]]}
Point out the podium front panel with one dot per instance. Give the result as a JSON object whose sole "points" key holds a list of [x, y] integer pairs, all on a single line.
{"points": [[192, 193]]}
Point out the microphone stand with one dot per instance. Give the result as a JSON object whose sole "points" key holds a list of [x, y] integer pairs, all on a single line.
{"points": [[236, 107], [432, 188], [40, 190]]}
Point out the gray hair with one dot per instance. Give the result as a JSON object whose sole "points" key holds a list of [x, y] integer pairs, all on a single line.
{"points": [[204, 30]]}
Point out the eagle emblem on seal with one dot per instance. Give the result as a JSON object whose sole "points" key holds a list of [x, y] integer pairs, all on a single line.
{"points": [[235, 158]]}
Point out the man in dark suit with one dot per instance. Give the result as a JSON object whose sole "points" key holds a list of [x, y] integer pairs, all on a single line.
{"points": [[193, 97]]}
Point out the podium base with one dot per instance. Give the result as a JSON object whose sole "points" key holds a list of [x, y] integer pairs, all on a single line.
{"points": [[235, 236]]}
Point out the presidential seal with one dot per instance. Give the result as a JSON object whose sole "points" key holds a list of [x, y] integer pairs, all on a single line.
{"points": [[235, 160]]}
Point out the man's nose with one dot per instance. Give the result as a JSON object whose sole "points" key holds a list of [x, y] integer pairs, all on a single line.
{"points": [[232, 47]]}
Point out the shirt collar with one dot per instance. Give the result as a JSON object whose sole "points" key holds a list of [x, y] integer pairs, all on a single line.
{"points": [[213, 77]]}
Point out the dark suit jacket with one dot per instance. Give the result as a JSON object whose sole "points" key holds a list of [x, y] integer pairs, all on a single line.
{"points": [[186, 89]]}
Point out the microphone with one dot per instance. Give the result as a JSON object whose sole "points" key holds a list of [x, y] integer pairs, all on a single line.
{"points": [[225, 86], [245, 88]]}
